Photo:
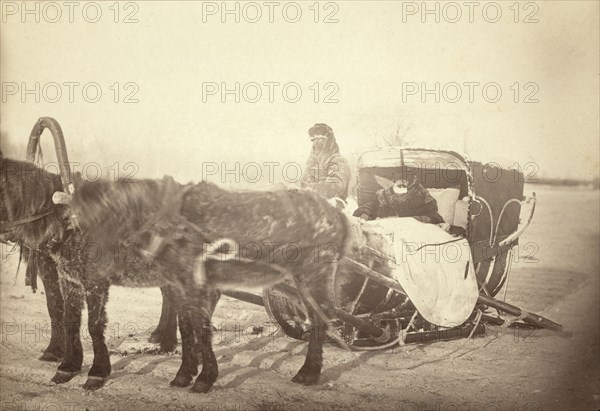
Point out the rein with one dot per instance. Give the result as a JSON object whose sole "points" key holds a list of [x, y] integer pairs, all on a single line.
{"points": [[25, 220], [8, 226], [176, 203]]}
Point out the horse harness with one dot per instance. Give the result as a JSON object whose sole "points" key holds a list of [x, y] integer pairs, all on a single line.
{"points": [[168, 225], [7, 227]]}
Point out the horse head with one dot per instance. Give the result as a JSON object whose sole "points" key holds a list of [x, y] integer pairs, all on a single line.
{"points": [[27, 213]]}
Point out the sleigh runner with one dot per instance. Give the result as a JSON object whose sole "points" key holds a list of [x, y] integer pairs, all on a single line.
{"points": [[372, 308]]}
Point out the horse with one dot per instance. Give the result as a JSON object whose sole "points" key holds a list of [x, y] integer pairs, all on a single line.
{"points": [[200, 239], [30, 219]]}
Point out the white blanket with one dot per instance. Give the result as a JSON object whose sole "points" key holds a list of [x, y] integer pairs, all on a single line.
{"points": [[433, 267]]}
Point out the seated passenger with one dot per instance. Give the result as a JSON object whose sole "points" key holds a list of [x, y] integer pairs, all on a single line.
{"points": [[405, 198]]}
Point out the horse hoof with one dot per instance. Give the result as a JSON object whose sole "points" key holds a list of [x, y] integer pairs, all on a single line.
{"points": [[201, 387], [167, 347], [306, 379], [63, 376], [50, 357], [93, 383], [154, 338], [181, 381]]}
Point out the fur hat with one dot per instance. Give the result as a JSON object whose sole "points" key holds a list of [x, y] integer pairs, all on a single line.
{"points": [[320, 129]]}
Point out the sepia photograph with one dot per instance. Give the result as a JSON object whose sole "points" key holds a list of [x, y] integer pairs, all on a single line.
{"points": [[299, 205]]}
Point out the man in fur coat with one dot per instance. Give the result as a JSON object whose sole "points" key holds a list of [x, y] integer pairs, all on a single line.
{"points": [[326, 172]]}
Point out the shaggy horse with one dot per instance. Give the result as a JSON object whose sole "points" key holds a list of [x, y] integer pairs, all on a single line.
{"points": [[199, 239], [29, 218]]}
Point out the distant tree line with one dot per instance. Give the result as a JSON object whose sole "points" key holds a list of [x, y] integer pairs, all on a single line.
{"points": [[595, 183]]}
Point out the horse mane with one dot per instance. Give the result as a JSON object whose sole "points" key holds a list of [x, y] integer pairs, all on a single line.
{"points": [[27, 192]]}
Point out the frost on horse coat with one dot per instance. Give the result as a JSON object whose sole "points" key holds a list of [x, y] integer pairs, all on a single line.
{"points": [[281, 235], [29, 218], [275, 229], [57, 254]]}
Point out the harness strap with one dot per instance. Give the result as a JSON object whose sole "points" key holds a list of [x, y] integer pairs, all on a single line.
{"points": [[211, 252], [173, 207], [29, 219], [32, 270], [32, 218], [168, 208], [19, 264]]}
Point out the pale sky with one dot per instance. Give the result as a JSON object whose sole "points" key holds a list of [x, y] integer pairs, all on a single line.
{"points": [[368, 56]]}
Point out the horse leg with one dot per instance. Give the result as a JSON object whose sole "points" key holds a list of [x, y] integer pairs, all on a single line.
{"points": [[189, 359], [54, 301], [73, 305], [311, 369], [96, 298], [156, 335], [202, 309], [166, 331]]}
